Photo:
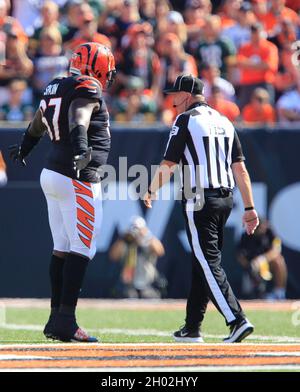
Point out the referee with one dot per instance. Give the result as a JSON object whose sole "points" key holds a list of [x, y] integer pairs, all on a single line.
{"points": [[202, 138]]}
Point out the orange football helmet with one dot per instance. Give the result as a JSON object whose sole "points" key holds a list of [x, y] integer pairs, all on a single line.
{"points": [[95, 60]]}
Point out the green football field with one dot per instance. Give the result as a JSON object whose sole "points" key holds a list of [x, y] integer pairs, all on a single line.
{"points": [[137, 336], [117, 325]]}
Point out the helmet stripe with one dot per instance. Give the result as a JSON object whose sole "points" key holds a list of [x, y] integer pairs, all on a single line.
{"points": [[94, 60], [109, 63], [88, 57]]}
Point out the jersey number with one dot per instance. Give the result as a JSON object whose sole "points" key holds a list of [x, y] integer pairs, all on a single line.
{"points": [[52, 129]]}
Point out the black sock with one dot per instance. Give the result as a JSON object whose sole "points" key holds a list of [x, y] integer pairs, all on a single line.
{"points": [[73, 274], [56, 279]]}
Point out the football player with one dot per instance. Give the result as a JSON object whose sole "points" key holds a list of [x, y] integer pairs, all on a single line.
{"points": [[74, 115]]}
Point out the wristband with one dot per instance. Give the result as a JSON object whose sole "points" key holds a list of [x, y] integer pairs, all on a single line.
{"points": [[249, 208], [28, 143], [78, 137]]}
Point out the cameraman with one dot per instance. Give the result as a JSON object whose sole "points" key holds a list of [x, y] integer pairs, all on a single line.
{"points": [[138, 251], [260, 255]]}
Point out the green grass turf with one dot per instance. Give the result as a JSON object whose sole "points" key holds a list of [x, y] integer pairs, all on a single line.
{"points": [[267, 323]]}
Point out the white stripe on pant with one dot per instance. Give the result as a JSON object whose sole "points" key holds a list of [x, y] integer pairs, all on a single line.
{"points": [[211, 281]]}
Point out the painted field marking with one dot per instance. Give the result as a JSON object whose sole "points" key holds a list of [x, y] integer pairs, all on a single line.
{"points": [[100, 345], [279, 354], [5, 357], [156, 357]]}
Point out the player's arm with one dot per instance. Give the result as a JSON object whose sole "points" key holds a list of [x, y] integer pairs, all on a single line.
{"points": [[36, 129], [79, 116]]}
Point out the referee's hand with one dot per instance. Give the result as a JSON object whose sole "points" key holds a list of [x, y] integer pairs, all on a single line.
{"points": [[148, 199], [250, 221]]}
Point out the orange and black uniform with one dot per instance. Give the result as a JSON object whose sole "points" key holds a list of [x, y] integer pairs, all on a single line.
{"points": [[55, 104]]}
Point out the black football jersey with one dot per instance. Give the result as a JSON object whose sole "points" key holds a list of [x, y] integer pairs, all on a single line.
{"points": [[55, 104]]}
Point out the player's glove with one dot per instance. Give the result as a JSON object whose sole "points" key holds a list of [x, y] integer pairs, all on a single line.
{"points": [[16, 155], [81, 161], [20, 151]]}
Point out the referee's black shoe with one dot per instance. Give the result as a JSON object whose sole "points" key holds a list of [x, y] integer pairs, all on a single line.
{"points": [[187, 335], [239, 331]]}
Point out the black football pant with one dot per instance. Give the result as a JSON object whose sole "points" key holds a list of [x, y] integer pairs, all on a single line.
{"points": [[205, 233]]}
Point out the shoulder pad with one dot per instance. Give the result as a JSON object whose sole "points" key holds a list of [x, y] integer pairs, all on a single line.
{"points": [[87, 82]]}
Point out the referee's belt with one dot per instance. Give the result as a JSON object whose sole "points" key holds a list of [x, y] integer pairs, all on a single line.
{"points": [[218, 192]]}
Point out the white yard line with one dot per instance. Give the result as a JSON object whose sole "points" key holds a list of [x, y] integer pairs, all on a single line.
{"points": [[279, 354], [152, 332], [7, 357]]}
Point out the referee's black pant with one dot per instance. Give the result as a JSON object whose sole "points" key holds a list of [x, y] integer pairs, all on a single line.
{"points": [[205, 233]]}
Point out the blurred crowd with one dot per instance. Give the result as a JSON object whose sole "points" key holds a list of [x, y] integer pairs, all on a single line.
{"points": [[246, 52]]}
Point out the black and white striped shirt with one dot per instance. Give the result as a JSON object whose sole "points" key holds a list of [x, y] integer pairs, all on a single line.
{"points": [[201, 137]]}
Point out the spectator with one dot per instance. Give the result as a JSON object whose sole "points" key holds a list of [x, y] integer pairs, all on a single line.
{"points": [[288, 105], [28, 12], [176, 25], [135, 103], [284, 39], [194, 15], [3, 176], [77, 13], [258, 63], [259, 112], [50, 61], [239, 32], [127, 16], [147, 11], [15, 109], [260, 255], [139, 59], [9, 24], [286, 76], [16, 64], [138, 251], [276, 13], [162, 9], [210, 75], [286, 35], [50, 18], [87, 33], [222, 105], [174, 61], [228, 13], [213, 49], [260, 9]]}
